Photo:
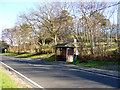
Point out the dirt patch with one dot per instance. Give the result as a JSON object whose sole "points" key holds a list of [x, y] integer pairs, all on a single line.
{"points": [[20, 83]]}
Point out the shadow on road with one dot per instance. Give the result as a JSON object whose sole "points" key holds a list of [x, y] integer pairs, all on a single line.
{"points": [[58, 71]]}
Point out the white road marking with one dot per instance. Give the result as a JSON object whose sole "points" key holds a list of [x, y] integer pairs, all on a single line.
{"points": [[100, 74], [34, 83]]}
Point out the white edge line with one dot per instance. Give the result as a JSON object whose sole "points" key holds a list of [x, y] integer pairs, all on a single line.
{"points": [[60, 66], [23, 76]]}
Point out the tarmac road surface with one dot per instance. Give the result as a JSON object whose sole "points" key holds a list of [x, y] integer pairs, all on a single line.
{"points": [[50, 75]]}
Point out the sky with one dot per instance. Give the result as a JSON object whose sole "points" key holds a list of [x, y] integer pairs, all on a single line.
{"points": [[11, 9], [9, 12]]}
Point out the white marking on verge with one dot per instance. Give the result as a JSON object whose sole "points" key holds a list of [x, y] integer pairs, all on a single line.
{"points": [[23, 76]]}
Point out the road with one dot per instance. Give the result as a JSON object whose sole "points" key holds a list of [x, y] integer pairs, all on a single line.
{"points": [[50, 75]]}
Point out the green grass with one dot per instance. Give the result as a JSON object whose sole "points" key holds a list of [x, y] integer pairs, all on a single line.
{"points": [[33, 55], [51, 58], [39, 56], [6, 81], [27, 55], [91, 63], [9, 54], [97, 64]]}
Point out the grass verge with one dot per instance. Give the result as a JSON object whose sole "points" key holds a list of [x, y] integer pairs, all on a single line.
{"points": [[90, 63], [9, 54], [27, 55], [97, 64], [6, 81]]}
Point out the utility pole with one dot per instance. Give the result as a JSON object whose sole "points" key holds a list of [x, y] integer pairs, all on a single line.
{"points": [[76, 51]]}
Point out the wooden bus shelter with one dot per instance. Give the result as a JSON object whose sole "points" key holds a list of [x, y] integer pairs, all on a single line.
{"points": [[64, 52]]}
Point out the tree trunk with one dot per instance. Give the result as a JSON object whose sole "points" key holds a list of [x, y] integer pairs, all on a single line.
{"points": [[91, 42], [91, 46], [19, 47]]}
